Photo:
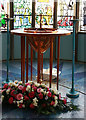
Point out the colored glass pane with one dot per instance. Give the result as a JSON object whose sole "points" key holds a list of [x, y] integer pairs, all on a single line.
{"points": [[83, 15], [65, 12], [22, 13], [3, 12], [43, 0], [44, 13]]}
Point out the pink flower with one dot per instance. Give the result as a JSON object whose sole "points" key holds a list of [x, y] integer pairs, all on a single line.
{"points": [[5, 85], [19, 96], [32, 106], [20, 87], [26, 97], [27, 84], [20, 106], [59, 95], [49, 94], [65, 101], [38, 90], [10, 100], [3, 90], [52, 103], [35, 88], [41, 96]]}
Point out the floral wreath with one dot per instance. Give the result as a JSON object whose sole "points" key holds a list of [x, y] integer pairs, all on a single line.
{"points": [[35, 96]]}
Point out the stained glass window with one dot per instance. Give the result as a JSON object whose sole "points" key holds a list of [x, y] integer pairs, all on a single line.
{"points": [[83, 15], [3, 11], [44, 13], [65, 12], [22, 13]]}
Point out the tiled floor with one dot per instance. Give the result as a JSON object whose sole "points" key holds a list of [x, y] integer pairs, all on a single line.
{"points": [[65, 79]]}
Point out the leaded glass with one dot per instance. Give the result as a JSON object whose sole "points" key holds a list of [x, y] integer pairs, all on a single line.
{"points": [[83, 15], [3, 12], [44, 8], [22, 13], [66, 12]]}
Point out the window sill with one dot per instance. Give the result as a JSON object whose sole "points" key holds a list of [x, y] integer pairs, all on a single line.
{"points": [[2, 31], [82, 32]]}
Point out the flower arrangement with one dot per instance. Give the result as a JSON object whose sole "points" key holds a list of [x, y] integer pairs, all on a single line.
{"points": [[35, 96]]}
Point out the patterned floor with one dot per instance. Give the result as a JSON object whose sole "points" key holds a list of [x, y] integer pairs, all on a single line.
{"points": [[65, 79]]}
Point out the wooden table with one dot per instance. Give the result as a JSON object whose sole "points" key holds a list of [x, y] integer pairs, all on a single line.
{"points": [[52, 36]]}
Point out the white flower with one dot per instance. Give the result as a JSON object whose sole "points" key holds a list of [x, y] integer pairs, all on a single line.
{"points": [[16, 81], [14, 101], [32, 89], [30, 82], [56, 92], [2, 98], [18, 105], [16, 85], [28, 88], [56, 102], [37, 84], [21, 98], [35, 103], [17, 102], [43, 85], [46, 97], [35, 100], [42, 90], [21, 101], [11, 84], [7, 91], [56, 97], [23, 106], [47, 92], [20, 82]]}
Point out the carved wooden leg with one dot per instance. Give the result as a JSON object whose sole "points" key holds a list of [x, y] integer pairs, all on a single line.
{"points": [[31, 61], [51, 61], [23, 58], [42, 66], [27, 59], [38, 77]]}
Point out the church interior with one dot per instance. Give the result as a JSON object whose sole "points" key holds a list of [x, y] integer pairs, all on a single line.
{"points": [[42, 59]]}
